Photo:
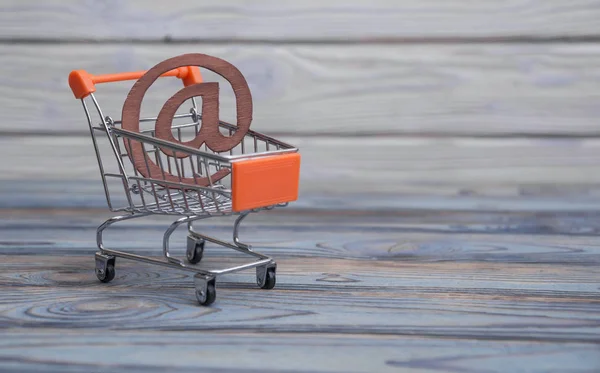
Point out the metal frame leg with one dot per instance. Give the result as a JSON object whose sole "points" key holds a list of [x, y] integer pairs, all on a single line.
{"points": [[108, 223], [238, 245], [236, 239], [105, 253], [265, 269], [204, 280], [169, 232]]}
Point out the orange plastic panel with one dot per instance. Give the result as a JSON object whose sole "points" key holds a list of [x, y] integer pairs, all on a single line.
{"points": [[265, 181]]}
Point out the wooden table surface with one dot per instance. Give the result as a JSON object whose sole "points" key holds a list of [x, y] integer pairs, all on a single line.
{"points": [[448, 218], [438, 291]]}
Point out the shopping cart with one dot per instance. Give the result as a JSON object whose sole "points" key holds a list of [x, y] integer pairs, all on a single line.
{"points": [[168, 177]]}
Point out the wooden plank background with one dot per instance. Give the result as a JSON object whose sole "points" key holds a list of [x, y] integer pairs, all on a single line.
{"points": [[284, 21], [258, 351], [356, 293], [339, 90], [352, 173], [448, 217]]}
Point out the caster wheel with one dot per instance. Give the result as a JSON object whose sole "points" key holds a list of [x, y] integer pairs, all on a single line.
{"points": [[270, 280], [108, 275], [206, 298], [195, 251]]}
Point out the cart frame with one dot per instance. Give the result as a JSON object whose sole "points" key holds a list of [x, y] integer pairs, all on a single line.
{"points": [[191, 202]]}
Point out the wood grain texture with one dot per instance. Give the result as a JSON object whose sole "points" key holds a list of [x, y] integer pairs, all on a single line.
{"points": [[355, 293], [349, 173], [405, 236], [296, 20], [347, 90], [144, 351], [209, 135]]}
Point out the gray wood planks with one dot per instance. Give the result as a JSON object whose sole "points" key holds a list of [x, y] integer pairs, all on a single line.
{"points": [[145, 351], [479, 254], [337, 90], [421, 236], [355, 293], [558, 301], [374, 173], [314, 20]]}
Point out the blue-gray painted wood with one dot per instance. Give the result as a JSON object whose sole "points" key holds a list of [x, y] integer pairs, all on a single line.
{"points": [[335, 20], [146, 351], [418, 248], [452, 291], [347, 174], [338, 90]]}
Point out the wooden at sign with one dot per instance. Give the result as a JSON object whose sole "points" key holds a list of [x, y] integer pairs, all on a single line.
{"points": [[209, 133]]}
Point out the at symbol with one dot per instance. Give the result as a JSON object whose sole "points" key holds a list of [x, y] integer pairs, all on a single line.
{"points": [[209, 134]]}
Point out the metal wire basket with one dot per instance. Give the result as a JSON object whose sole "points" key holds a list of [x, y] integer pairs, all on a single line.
{"points": [[259, 173]]}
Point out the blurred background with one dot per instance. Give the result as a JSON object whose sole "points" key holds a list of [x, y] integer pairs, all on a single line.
{"points": [[394, 104]]}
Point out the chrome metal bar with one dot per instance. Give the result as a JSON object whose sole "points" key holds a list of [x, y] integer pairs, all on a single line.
{"points": [[183, 266], [98, 156], [227, 244], [224, 192], [153, 119], [147, 170], [167, 235], [186, 149], [180, 175], [167, 144], [162, 170], [196, 181], [255, 134], [261, 154], [243, 267], [110, 139], [135, 170], [110, 222], [171, 261], [236, 225], [151, 260], [169, 170], [114, 149]]}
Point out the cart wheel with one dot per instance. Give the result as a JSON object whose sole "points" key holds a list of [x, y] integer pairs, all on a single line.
{"points": [[206, 298], [195, 250], [270, 280], [108, 275]]}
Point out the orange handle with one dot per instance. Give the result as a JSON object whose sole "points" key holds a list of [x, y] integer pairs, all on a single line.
{"points": [[83, 83]]}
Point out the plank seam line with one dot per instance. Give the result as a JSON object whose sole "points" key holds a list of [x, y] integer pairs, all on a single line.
{"points": [[168, 39], [352, 135]]}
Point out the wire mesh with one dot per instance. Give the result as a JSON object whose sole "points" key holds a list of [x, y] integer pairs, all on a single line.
{"points": [[177, 188]]}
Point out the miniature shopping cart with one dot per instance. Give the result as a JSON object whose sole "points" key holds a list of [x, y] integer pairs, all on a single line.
{"points": [[260, 173]]}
